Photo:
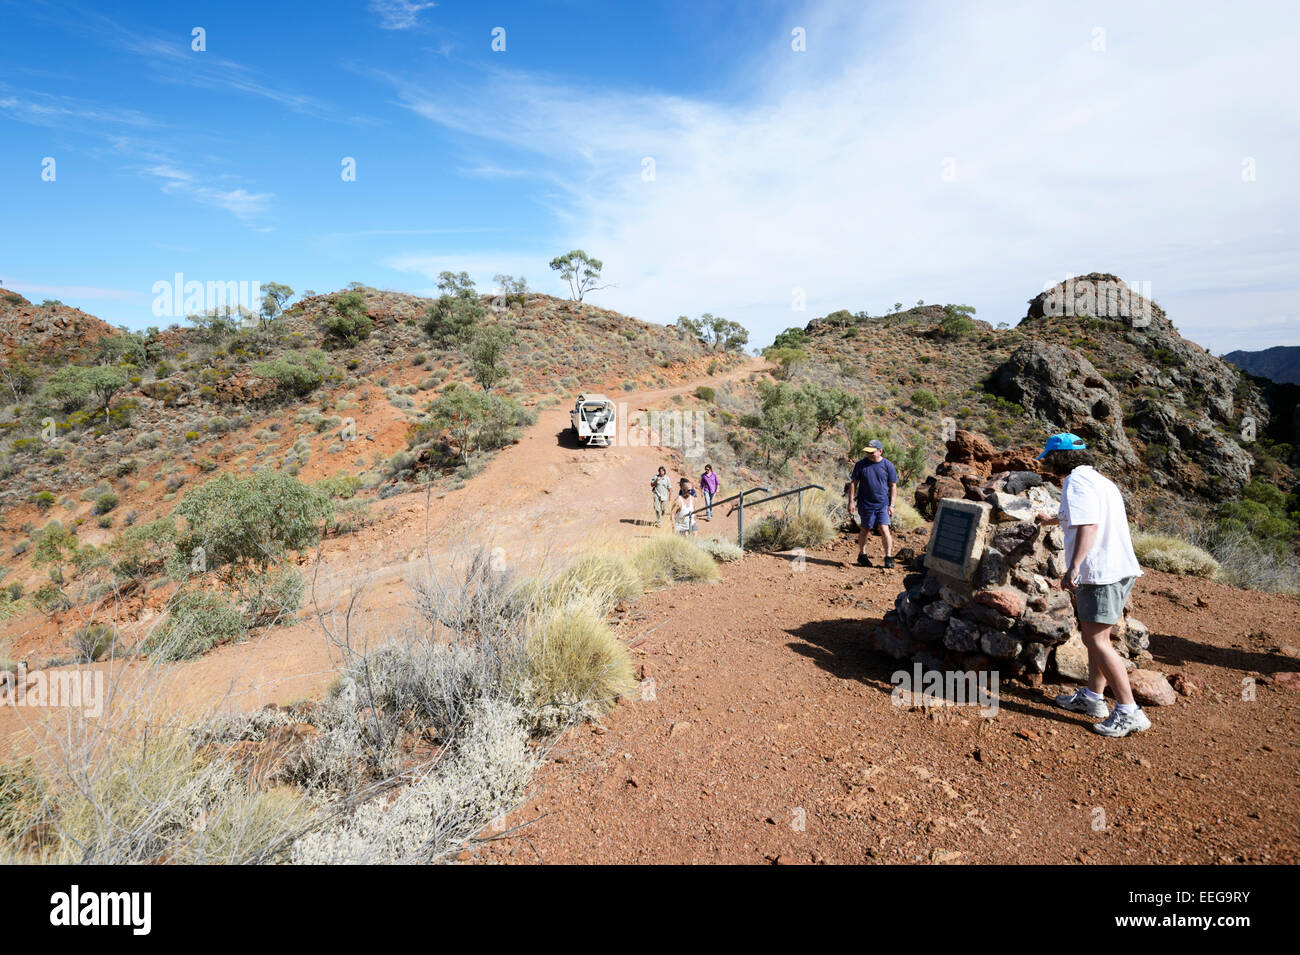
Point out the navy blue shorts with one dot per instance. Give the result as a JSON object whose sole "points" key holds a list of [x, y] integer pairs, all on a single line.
{"points": [[871, 516]]}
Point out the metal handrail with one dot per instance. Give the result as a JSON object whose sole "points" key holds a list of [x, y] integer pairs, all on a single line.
{"points": [[798, 490], [736, 497], [739, 508]]}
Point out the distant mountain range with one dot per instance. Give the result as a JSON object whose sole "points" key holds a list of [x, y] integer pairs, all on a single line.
{"points": [[1279, 363]]}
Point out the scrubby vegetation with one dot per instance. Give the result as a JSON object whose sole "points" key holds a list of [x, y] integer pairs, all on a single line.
{"points": [[1173, 555], [427, 736]]}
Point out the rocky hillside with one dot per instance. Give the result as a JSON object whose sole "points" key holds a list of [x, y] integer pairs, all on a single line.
{"points": [[1280, 363], [51, 330], [1178, 426], [101, 430]]}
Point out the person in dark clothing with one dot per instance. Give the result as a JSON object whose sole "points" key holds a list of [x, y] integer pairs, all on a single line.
{"points": [[874, 487]]}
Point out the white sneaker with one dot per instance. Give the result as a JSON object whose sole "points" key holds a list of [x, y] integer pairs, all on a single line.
{"points": [[1121, 724], [1081, 702]]}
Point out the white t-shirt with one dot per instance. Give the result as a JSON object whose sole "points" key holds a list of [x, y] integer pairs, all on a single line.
{"points": [[1089, 498]]}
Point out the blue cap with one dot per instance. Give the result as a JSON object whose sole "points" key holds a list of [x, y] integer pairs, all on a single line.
{"points": [[1065, 441], [875, 444]]}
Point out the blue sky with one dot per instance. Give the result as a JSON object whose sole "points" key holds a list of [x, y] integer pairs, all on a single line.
{"points": [[914, 151]]}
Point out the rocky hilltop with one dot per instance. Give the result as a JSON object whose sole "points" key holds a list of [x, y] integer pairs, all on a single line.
{"points": [[52, 330], [1173, 422]]}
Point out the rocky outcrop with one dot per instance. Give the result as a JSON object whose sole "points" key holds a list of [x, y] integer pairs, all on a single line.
{"points": [[1189, 451], [1065, 390], [47, 330], [966, 471], [1189, 415]]}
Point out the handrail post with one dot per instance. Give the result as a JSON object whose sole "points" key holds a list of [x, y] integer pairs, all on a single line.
{"points": [[740, 521]]}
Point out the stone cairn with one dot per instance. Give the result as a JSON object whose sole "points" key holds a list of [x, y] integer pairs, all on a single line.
{"points": [[989, 596]]}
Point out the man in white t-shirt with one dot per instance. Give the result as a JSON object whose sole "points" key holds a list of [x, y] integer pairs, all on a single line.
{"points": [[1101, 570]]}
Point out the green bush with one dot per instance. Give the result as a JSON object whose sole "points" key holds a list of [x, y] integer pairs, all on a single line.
{"points": [[274, 595], [906, 517], [251, 520], [925, 399], [576, 660], [723, 551], [476, 421], [451, 320], [341, 485], [294, 374], [347, 323], [105, 502], [1263, 511], [93, 640]]}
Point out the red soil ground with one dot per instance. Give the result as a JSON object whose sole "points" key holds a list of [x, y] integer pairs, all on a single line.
{"points": [[771, 737]]}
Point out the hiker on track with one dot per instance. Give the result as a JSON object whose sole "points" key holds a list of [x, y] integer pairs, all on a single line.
{"points": [[684, 509], [874, 485], [1101, 570], [659, 489], [709, 484]]}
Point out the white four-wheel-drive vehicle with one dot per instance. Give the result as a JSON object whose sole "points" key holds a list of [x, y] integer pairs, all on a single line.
{"points": [[594, 419]]}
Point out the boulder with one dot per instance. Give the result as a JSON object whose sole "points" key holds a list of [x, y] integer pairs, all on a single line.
{"points": [[1062, 388], [1187, 683], [1011, 507], [987, 617], [1016, 540], [961, 635], [938, 610], [892, 643], [927, 629], [1007, 602], [966, 446], [1018, 481], [1070, 660], [992, 569], [1135, 634], [954, 597], [1151, 688], [999, 645], [1046, 628]]}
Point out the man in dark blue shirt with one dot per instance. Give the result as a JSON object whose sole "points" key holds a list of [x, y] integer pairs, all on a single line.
{"points": [[874, 485]]}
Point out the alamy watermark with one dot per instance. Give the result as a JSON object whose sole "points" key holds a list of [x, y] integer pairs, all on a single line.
{"points": [[922, 687], [70, 689], [179, 298], [671, 428], [1106, 299]]}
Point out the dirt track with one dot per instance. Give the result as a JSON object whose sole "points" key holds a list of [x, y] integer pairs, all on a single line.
{"points": [[771, 736], [537, 500]]}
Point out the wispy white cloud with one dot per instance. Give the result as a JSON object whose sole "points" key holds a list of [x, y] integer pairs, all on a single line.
{"points": [[240, 202], [398, 14], [954, 155], [45, 109]]}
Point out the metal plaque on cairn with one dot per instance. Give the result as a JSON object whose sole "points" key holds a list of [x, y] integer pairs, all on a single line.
{"points": [[957, 538]]}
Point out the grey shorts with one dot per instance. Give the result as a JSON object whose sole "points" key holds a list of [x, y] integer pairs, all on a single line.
{"points": [[1103, 603]]}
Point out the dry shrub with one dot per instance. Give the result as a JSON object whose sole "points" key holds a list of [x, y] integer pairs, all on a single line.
{"points": [[577, 662], [1173, 555], [668, 558]]}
